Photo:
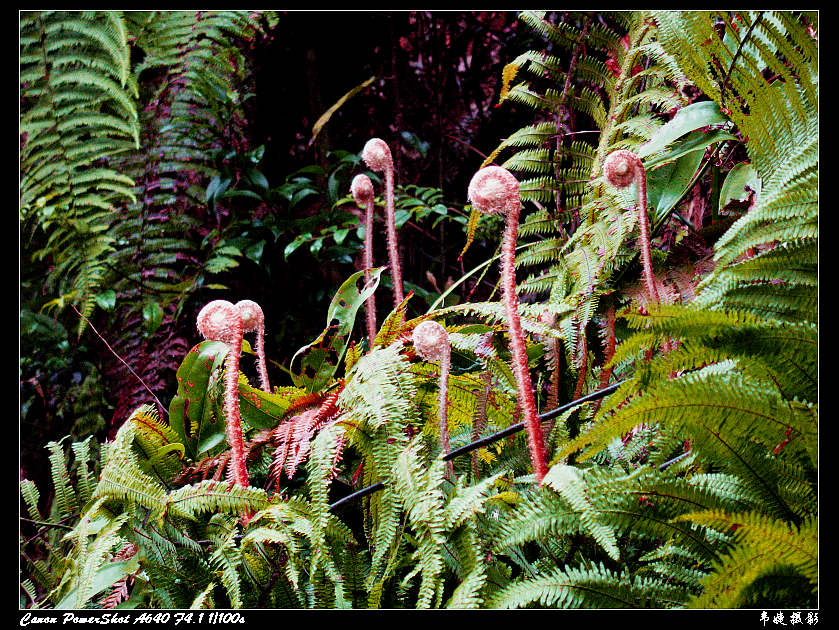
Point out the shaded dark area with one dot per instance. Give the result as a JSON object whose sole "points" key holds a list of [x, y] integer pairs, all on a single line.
{"points": [[437, 82]]}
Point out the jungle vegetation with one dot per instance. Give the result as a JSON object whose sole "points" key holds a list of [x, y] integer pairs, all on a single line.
{"points": [[268, 358]]}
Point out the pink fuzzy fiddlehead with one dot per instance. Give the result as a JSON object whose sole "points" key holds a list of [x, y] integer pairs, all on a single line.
{"points": [[220, 321], [253, 320], [431, 341], [377, 156], [620, 169], [494, 190], [362, 192]]}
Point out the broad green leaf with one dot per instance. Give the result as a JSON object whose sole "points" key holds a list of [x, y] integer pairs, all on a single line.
{"points": [[254, 252], [686, 120], [257, 178], [189, 411], [259, 409], [297, 242], [106, 299], [152, 316], [697, 141], [320, 359], [734, 186], [668, 184], [340, 235], [108, 575]]}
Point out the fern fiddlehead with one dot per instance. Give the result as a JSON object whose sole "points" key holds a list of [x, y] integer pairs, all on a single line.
{"points": [[362, 192], [377, 156], [494, 190], [431, 341], [621, 168], [253, 320], [220, 321]]}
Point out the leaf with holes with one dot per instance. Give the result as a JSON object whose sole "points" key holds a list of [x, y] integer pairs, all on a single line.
{"points": [[260, 409], [189, 412], [320, 359]]}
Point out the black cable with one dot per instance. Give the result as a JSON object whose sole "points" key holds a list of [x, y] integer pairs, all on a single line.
{"points": [[512, 429]]}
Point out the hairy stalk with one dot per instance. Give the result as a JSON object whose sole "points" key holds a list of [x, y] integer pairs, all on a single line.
{"points": [[431, 341], [362, 192], [581, 378], [621, 168], [253, 320], [377, 156], [494, 190], [608, 335], [220, 321]]}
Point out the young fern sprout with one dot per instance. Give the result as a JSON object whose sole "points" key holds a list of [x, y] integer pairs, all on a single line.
{"points": [[494, 190], [620, 169], [362, 192], [253, 320], [431, 341], [220, 321], [376, 155]]}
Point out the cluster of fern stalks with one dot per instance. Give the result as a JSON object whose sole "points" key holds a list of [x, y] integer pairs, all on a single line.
{"points": [[692, 485]]}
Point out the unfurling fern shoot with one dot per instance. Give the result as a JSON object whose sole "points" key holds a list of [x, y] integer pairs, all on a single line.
{"points": [[494, 190], [431, 341], [621, 168], [220, 321], [376, 155], [253, 320], [362, 192]]}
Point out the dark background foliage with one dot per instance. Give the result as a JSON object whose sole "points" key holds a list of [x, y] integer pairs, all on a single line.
{"points": [[437, 80]]}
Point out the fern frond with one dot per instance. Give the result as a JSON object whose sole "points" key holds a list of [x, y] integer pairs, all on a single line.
{"points": [[762, 545], [590, 586]]}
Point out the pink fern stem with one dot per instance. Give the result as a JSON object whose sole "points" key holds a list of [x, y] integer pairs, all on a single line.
{"points": [[377, 156], [431, 341], [220, 321], [362, 192], [621, 168], [494, 190], [253, 320]]}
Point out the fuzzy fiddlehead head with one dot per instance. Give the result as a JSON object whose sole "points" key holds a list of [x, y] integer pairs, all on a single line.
{"points": [[362, 190], [376, 155], [221, 321], [431, 342], [622, 167], [253, 320], [494, 190], [252, 316]]}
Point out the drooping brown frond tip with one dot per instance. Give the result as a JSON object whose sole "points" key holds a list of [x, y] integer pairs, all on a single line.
{"points": [[431, 341], [221, 321], [620, 169], [362, 192], [253, 320], [376, 154], [494, 190]]}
